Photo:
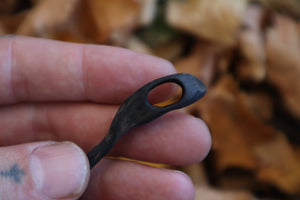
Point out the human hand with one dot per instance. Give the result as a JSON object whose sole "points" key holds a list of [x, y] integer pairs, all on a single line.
{"points": [[57, 91]]}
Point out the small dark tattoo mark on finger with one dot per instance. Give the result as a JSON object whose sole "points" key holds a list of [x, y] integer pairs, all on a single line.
{"points": [[15, 173]]}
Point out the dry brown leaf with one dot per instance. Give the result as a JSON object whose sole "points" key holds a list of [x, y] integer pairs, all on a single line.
{"points": [[191, 64], [235, 128], [288, 7], [113, 19], [222, 109], [8, 6], [279, 164], [10, 23], [136, 44], [35, 1], [241, 140], [251, 46], [2, 30], [206, 193], [82, 21], [148, 10], [197, 174], [261, 104], [201, 62], [283, 68], [49, 18], [170, 50], [216, 20]]}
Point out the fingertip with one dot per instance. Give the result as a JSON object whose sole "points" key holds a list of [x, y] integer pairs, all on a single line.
{"points": [[195, 139], [183, 186], [206, 141], [43, 170], [176, 139], [59, 170]]}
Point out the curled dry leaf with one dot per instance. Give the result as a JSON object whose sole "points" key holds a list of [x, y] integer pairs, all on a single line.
{"points": [[251, 46], [283, 68], [217, 20]]}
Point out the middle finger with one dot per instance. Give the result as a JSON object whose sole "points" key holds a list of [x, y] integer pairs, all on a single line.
{"points": [[175, 138]]}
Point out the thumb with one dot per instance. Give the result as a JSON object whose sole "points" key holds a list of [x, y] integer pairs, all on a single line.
{"points": [[43, 170]]}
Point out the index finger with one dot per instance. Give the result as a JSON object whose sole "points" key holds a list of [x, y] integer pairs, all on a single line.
{"points": [[34, 69]]}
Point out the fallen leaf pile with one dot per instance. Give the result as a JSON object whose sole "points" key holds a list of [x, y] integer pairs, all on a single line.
{"points": [[246, 52]]}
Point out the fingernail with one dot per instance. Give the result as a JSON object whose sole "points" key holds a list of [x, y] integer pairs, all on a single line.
{"points": [[59, 170], [184, 174]]}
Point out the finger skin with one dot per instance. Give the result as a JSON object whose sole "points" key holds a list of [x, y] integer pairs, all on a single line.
{"points": [[43, 70], [22, 179], [174, 138], [51, 70], [123, 180]]}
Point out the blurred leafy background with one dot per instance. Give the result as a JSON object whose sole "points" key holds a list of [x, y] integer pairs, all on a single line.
{"points": [[246, 51]]}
